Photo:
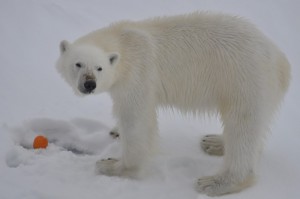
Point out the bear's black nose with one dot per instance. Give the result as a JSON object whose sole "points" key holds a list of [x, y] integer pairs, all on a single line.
{"points": [[89, 85]]}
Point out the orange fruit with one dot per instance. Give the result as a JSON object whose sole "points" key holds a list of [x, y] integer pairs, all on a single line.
{"points": [[40, 142]]}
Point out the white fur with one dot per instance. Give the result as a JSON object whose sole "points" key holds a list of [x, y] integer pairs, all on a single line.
{"points": [[200, 62]]}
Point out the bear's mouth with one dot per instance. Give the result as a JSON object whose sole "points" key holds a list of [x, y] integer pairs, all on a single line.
{"points": [[86, 92]]}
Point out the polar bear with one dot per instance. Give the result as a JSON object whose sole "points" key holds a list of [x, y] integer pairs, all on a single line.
{"points": [[199, 62]]}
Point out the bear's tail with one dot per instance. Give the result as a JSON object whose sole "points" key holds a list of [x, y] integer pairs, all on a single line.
{"points": [[284, 72]]}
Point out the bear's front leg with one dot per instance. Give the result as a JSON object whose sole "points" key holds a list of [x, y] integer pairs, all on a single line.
{"points": [[138, 126]]}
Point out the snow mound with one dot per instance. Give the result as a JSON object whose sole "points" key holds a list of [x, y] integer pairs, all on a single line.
{"points": [[78, 136]]}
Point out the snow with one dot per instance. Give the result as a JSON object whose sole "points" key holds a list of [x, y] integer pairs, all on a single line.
{"points": [[35, 100]]}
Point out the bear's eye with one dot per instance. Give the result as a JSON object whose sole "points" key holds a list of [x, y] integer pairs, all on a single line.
{"points": [[78, 65], [99, 69]]}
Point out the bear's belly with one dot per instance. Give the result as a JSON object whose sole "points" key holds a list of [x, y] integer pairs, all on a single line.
{"points": [[187, 96]]}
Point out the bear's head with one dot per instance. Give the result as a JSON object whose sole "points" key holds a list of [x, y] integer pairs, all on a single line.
{"points": [[87, 68]]}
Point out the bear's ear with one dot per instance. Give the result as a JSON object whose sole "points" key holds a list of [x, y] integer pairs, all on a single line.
{"points": [[113, 58], [64, 46]]}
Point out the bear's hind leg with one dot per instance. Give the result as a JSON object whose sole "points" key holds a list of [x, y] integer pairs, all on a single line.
{"points": [[114, 133], [243, 137], [213, 144]]}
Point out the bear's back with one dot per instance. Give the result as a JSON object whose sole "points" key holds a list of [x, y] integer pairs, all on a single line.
{"points": [[198, 58]]}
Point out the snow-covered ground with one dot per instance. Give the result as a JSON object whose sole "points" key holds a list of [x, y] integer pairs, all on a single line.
{"points": [[34, 100]]}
